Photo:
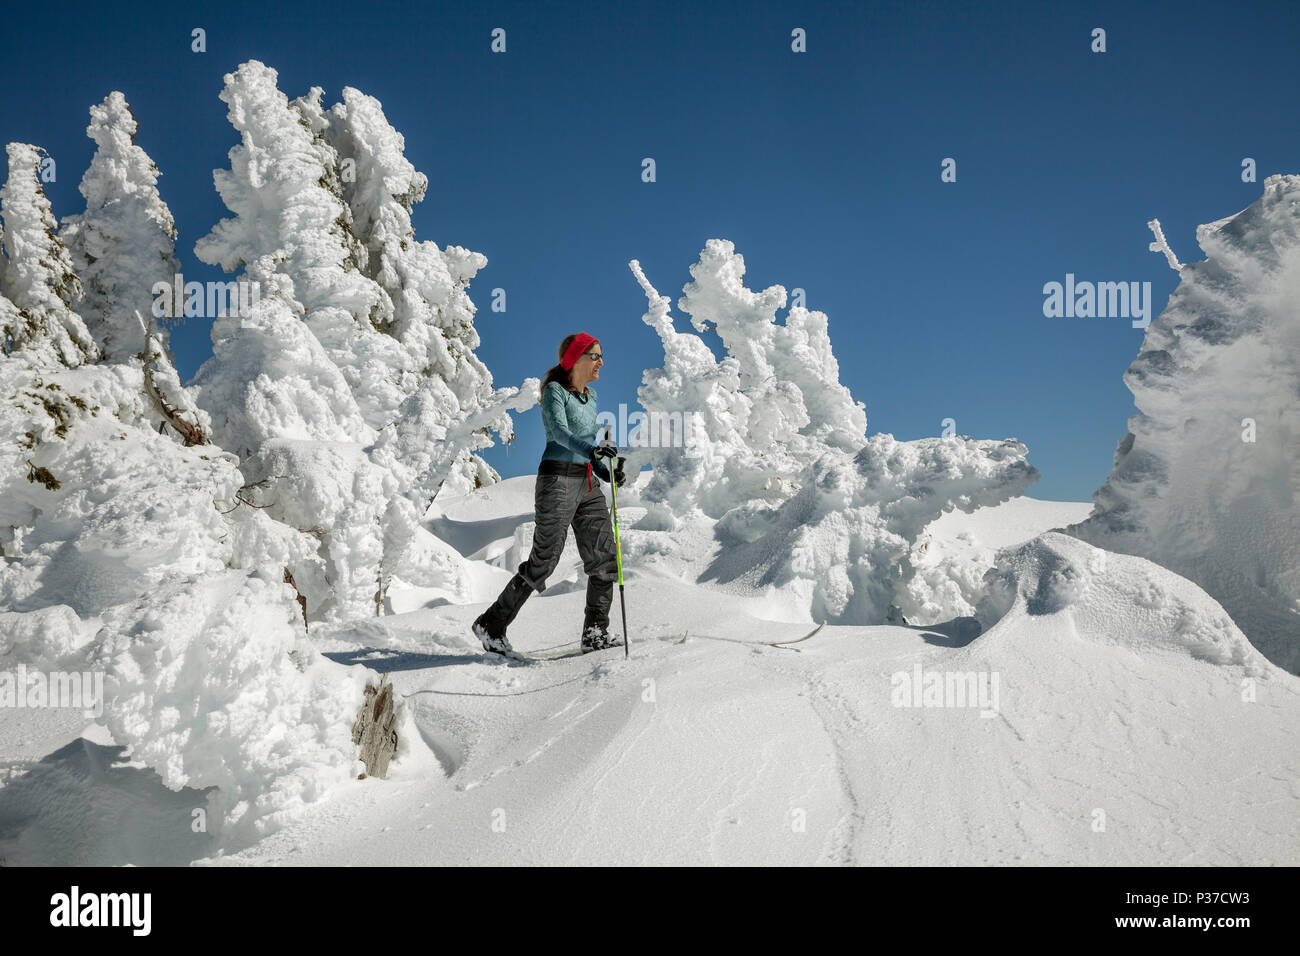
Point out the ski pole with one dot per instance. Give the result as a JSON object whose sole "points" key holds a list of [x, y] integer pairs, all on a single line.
{"points": [[618, 554]]}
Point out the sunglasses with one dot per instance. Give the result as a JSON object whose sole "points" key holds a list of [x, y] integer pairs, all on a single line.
{"points": [[594, 356]]}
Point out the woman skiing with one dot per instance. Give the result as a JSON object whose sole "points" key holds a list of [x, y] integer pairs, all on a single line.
{"points": [[566, 495]]}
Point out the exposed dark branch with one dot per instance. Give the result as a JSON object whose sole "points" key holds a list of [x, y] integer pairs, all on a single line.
{"points": [[191, 433]]}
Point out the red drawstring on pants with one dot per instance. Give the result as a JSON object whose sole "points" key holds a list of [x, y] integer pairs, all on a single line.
{"points": [[589, 476]]}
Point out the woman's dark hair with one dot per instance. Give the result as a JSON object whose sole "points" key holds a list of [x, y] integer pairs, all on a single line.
{"points": [[557, 372]]}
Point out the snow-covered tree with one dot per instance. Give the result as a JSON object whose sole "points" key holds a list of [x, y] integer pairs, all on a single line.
{"points": [[1207, 480], [124, 242], [270, 378], [432, 316], [10, 317], [702, 396], [282, 189], [129, 552], [778, 457], [758, 418], [754, 420], [277, 401], [350, 389], [432, 454], [788, 371], [39, 280]]}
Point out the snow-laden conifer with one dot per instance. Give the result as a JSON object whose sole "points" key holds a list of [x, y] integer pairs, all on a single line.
{"points": [[1206, 482], [124, 243], [39, 280]]}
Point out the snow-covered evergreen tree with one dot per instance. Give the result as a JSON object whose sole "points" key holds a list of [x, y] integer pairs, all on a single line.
{"points": [[1207, 480], [362, 338], [761, 416], [780, 458], [124, 242], [432, 315], [788, 370], [282, 189], [128, 552], [142, 551], [702, 396], [39, 278], [270, 378], [10, 317]]}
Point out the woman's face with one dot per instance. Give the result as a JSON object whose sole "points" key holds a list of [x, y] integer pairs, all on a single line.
{"points": [[588, 365]]}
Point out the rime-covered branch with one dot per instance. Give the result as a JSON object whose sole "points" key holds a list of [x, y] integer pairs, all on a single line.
{"points": [[1162, 245]]}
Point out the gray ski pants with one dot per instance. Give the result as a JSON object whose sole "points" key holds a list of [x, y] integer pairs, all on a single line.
{"points": [[561, 501]]}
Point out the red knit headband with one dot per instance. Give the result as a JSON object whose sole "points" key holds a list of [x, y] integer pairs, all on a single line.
{"points": [[577, 348]]}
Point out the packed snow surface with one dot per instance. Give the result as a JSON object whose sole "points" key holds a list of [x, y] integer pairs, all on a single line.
{"points": [[1130, 722]]}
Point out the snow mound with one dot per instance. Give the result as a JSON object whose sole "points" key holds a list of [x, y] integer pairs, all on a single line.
{"points": [[1207, 479], [42, 638], [841, 547], [956, 549], [1113, 599], [213, 683]]}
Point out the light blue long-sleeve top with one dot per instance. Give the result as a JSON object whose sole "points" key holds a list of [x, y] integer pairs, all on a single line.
{"points": [[570, 427]]}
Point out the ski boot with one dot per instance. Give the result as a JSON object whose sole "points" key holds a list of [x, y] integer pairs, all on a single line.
{"points": [[596, 638], [490, 627], [495, 643]]}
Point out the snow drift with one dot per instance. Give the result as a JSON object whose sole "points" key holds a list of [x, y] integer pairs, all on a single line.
{"points": [[1112, 599]]}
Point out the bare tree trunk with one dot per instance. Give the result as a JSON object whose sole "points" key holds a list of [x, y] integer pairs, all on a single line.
{"points": [[376, 728]]}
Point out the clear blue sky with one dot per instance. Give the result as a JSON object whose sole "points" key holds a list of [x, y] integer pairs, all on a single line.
{"points": [[823, 168]]}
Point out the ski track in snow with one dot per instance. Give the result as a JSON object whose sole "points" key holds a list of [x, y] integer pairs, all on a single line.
{"points": [[738, 738], [721, 750]]}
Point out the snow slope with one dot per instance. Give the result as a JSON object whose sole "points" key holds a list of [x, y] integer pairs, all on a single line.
{"points": [[1114, 739]]}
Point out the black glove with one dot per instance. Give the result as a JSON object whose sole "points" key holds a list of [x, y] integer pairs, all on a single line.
{"points": [[619, 477], [605, 449]]}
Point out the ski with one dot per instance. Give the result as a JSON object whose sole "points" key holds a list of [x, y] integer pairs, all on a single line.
{"points": [[555, 653], [514, 657], [732, 640], [567, 650], [797, 640]]}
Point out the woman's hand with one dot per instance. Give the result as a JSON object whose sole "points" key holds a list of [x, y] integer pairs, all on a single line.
{"points": [[605, 449], [619, 477]]}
